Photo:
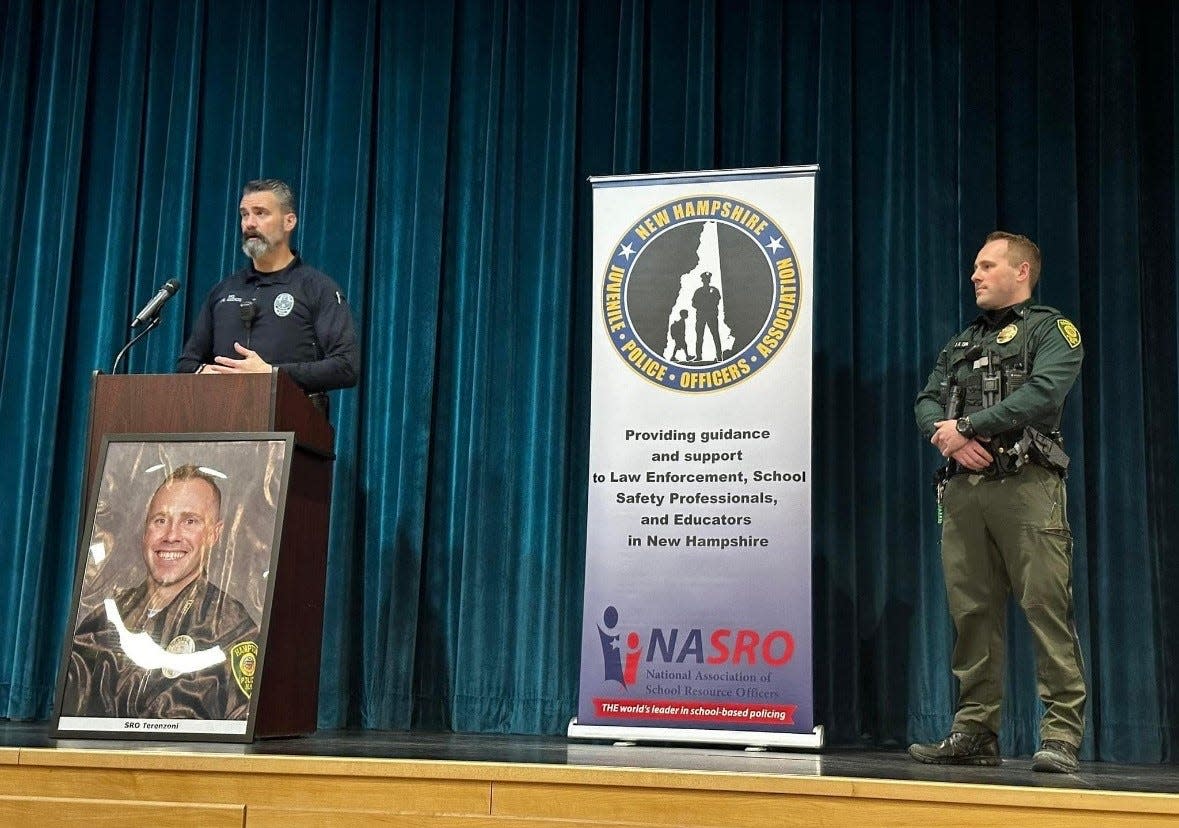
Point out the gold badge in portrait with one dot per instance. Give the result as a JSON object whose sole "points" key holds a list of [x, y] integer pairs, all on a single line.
{"points": [[182, 645]]}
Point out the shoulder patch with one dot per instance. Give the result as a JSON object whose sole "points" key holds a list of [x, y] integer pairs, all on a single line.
{"points": [[1069, 331], [243, 661]]}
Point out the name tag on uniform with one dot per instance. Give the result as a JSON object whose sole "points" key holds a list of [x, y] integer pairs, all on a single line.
{"points": [[982, 362]]}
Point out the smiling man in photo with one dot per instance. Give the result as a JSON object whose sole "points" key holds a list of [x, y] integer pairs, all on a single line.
{"points": [[175, 646]]}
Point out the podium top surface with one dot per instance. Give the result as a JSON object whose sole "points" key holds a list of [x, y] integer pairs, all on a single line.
{"points": [[192, 403]]}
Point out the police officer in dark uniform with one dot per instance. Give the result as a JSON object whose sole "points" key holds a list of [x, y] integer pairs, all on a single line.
{"points": [[992, 407], [278, 311]]}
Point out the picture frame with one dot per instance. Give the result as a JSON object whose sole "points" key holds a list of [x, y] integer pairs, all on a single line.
{"points": [[172, 592]]}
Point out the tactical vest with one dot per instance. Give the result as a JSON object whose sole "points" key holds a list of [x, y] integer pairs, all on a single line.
{"points": [[987, 366], [994, 363]]}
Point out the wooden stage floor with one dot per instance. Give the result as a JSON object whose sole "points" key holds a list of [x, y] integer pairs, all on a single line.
{"points": [[352, 778]]}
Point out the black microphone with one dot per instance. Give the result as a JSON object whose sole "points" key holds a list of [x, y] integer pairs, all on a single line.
{"points": [[152, 308], [249, 311]]}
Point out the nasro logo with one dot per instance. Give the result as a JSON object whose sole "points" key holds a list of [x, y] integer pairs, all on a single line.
{"points": [[673, 645]]}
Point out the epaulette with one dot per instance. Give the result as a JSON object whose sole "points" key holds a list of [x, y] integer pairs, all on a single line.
{"points": [[1045, 309]]}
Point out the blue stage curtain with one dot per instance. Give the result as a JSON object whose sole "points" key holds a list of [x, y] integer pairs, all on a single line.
{"points": [[440, 151]]}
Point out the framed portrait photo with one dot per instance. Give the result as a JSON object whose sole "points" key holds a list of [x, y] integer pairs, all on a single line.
{"points": [[172, 596]]}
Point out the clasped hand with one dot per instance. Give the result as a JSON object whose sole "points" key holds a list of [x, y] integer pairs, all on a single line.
{"points": [[967, 451]]}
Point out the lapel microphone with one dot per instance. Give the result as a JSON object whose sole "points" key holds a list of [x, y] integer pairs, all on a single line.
{"points": [[249, 311]]}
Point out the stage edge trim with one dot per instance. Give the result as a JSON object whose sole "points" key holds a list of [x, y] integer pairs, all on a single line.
{"points": [[741, 738]]}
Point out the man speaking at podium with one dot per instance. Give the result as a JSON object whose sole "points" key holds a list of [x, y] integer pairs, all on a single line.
{"points": [[278, 311]]}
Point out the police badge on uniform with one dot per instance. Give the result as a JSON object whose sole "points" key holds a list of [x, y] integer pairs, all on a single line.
{"points": [[1007, 334], [284, 303], [1069, 331], [182, 645]]}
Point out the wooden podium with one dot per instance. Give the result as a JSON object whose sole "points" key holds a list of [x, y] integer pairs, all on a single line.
{"points": [[288, 689]]}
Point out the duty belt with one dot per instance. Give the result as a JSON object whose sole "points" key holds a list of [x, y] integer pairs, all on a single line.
{"points": [[1032, 446]]}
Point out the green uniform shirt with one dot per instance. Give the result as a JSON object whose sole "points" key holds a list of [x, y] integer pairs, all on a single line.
{"points": [[1034, 346]]}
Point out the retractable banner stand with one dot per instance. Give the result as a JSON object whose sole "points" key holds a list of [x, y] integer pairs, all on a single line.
{"points": [[697, 619]]}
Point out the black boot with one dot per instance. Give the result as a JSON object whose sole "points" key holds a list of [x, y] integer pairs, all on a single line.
{"points": [[1055, 756], [959, 749]]}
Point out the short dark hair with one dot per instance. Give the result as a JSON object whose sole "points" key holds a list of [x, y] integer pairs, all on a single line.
{"points": [[1020, 249], [281, 189], [187, 472]]}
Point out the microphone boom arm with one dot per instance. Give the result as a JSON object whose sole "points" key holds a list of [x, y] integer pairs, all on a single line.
{"points": [[151, 326]]}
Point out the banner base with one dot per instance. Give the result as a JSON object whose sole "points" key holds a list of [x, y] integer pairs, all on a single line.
{"points": [[741, 738]]}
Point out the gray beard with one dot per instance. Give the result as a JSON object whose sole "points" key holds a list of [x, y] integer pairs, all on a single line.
{"points": [[255, 247]]}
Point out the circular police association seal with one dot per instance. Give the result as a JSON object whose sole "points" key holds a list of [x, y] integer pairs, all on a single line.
{"points": [[284, 303], [701, 293]]}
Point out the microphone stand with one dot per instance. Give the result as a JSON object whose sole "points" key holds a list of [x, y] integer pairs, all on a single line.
{"points": [[151, 326]]}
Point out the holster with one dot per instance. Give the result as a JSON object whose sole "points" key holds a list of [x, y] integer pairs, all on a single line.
{"points": [[1046, 452], [1031, 446]]}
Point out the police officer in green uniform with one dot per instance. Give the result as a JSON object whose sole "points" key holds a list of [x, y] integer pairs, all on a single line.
{"points": [[992, 407]]}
